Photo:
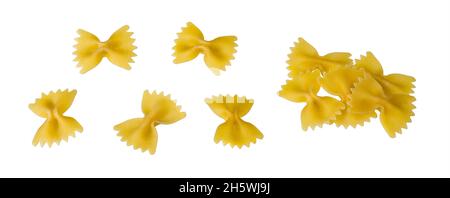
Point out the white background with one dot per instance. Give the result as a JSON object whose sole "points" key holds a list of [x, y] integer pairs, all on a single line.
{"points": [[36, 45]]}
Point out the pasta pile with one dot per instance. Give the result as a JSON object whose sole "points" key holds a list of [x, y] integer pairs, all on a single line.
{"points": [[362, 89]]}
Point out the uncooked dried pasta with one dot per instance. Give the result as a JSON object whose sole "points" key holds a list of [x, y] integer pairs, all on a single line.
{"points": [[217, 52], [57, 126], [339, 83], [234, 130], [141, 132], [392, 83], [319, 110], [389, 94], [118, 49], [395, 110], [305, 58], [361, 87]]}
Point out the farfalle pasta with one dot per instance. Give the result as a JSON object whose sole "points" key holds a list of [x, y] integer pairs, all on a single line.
{"points": [[217, 52], [389, 94], [234, 130], [361, 87], [395, 110], [319, 109], [57, 126], [392, 83], [305, 58], [141, 132], [339, 83], [118, 49]]}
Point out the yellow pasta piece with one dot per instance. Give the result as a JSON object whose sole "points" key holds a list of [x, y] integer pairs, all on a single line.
{"points": [[141, 132], [319, 109], [392, 83], [395, 110], [339, 83], [305, 58], [56, 127], [118, 49], [234, 130], [217, 52]]}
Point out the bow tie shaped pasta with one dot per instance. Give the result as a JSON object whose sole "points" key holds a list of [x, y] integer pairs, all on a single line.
{"points": [[392, 83], [305, 58], [389, 94], [339, 83], [118, 49], [217, 52], [395, 110], [234, 130], [56, 127], [141, 132], [319, 109]]}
